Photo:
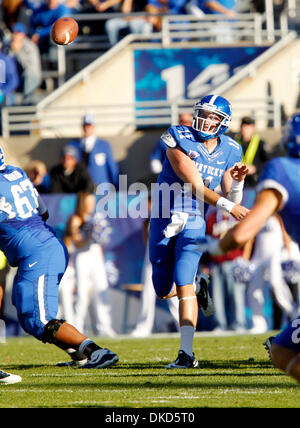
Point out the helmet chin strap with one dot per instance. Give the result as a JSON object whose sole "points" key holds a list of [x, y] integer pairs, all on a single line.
{"points": [[207, 137]]}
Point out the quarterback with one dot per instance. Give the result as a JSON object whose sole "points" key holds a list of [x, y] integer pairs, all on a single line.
{"points": [[199, 158]]}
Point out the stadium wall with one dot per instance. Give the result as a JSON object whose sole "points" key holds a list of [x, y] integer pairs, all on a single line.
{"points": [[278, 76]]}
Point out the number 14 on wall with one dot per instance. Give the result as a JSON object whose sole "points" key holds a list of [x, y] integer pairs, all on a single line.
{"points": [[204, 83]]}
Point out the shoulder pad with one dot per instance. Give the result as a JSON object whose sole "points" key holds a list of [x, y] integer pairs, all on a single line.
{"points": [[168, 139]]}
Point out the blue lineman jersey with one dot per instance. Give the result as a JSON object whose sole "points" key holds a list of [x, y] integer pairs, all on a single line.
{"points": [[20, 222], [31, 245], [283, 174]]}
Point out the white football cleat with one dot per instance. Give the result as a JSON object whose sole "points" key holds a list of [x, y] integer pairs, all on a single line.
{"points": [[8, 378]]}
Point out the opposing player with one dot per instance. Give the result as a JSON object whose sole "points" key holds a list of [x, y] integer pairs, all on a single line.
{"points": [[41, 258], [199, 158], [278, 189]]}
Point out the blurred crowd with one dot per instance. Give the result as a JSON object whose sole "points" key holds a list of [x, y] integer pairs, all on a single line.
{"points": [[25, 28]]}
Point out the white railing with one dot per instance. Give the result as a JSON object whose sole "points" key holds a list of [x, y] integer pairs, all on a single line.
{"points": [[214, 28], [139, 115], [187, 29]]}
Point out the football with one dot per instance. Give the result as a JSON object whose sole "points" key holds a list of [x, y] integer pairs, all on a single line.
{"points": [[64, 31]]}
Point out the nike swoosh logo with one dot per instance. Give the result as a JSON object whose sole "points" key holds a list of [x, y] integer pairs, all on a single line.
{"points": [[32, 264]]}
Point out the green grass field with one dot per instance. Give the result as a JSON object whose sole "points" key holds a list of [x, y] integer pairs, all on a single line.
{"points": [[234, 371]]}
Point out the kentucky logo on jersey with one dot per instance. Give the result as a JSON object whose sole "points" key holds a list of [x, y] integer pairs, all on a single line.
{"points": [[210, 170]]}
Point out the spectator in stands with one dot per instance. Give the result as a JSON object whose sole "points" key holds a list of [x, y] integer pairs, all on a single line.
{"points": [[255, 152], [38, 175], [106, 5], [224, 7], [9, 78], [97, 154], [33, 4], [171, 7], [92, 286], [70, 176], [159, 153], [116, 27], [28, 60], [73, 5], [42, 20], [222, 32]]}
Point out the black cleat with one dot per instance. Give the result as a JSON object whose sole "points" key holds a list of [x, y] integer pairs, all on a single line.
{"points": [[183, 361]]}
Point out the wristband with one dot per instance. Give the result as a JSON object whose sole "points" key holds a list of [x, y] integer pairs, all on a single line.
{"points": [[225, 204]]}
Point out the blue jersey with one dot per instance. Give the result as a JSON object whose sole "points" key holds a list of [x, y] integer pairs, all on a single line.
{"points": [[21, 226], [101, 163], [229, 4], [210, 165], [283, 174]]}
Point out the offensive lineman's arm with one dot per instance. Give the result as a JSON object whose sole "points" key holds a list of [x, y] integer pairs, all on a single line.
{"points": [[266, 204], [42, 208], [187, 171]]}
